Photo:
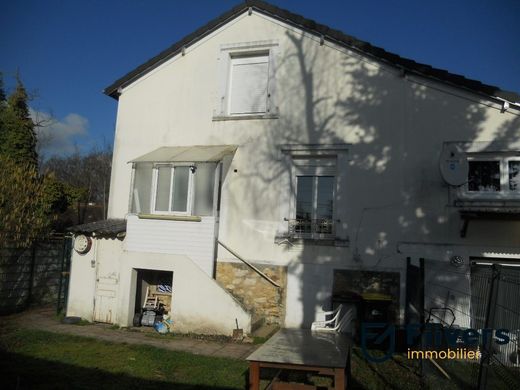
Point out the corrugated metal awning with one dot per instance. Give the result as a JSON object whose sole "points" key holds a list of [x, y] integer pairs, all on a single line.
{"points": [[187, 154], [107, 227]]}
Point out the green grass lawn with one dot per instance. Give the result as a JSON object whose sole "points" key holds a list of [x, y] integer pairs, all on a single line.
{"points": [[31, 359], [41, 360]]}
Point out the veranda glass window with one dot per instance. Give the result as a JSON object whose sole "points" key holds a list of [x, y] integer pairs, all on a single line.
{"points": [[204, 188], [141, 192], [173, 189], [181, 178]]}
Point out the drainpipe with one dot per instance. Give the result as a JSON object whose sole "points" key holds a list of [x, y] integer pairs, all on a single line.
{"points": [[217, 194]]}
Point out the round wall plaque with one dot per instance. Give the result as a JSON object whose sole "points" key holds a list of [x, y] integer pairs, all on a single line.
{"points": [[82, 244]]}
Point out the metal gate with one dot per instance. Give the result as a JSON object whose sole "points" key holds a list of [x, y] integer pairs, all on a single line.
{"points": [[495, 297], [493, 302]]}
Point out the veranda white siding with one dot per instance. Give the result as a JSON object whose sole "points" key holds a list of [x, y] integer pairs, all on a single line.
{"points": [[195, 240]]}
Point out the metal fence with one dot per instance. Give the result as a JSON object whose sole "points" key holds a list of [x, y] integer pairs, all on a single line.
{"points": [[495, 305], [34, 276], [488, 297]]}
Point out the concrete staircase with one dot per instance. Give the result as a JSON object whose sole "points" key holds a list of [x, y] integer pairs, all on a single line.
{"points": [[265, 331], [257, 322]]}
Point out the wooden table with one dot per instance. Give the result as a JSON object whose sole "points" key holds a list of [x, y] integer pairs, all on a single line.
{"points": [[327, 353]]}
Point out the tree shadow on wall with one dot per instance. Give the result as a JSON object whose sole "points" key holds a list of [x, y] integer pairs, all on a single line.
{"points": [[388, 191]]}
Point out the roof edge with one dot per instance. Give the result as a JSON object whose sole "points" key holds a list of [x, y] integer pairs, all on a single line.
{"points": [[332, 35], [176, 48]]}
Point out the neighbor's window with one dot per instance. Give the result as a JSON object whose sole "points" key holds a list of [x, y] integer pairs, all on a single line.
{"points": [[493, 177], [315, 184], [514, 175], [484, 176], [173, 189], [248, 84]]}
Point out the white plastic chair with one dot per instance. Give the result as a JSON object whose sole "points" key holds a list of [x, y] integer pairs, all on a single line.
{"points": [[345, 324], [330, 323], [342, 324]]}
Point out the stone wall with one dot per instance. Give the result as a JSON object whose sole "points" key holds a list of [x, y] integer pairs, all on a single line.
{"points": [[253, 291]]}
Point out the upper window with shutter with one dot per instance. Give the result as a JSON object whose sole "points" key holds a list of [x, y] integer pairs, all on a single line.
{"points": [[249, 84], [246, 81]]}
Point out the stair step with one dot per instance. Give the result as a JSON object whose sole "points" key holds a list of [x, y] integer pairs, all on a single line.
{"points": [[266, 330], [256, 322]]}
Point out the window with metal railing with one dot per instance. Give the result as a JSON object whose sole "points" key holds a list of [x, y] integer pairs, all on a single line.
{"points": [[315, 184], [311, 228]]}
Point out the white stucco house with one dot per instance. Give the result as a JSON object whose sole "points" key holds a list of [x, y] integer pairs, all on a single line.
{"points": [[266, 165]]}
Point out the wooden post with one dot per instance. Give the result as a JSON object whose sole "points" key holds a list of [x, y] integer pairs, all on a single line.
{"points": [[254, 375], [339, 379], [421, 315]]}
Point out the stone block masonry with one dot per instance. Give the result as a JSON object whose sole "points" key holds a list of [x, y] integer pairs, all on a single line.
{"points": [[254, 292]]}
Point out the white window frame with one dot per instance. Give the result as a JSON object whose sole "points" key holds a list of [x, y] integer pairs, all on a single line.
{"points": [[189, 203], [243, 59], [505, 193], [315, 193], [227, 52], [315, 172]]}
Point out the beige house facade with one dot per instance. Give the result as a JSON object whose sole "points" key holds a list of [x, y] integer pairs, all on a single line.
{"points": [[269, 163]]}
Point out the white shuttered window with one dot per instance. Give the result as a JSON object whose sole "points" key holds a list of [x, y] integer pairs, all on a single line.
{"points": [[248, 87]]}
